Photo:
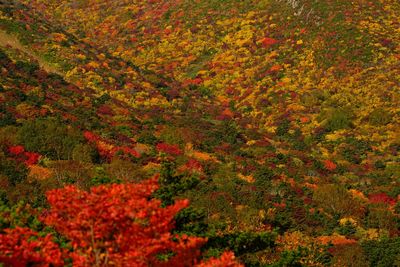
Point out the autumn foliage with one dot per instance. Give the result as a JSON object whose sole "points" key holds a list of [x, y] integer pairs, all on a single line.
{"points": [[29, 158], [169, 149], [329, 165], [382, 198], [111, 225], [107, 150], [270, 116], [21, 247]]}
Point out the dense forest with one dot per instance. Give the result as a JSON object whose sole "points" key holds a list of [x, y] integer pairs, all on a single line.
{"points": [[204, 133]]}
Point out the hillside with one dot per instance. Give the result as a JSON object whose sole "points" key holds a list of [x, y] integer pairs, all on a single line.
{"points": [[278, 120]]}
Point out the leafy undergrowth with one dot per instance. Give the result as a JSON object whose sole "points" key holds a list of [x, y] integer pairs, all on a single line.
{"points": [[278, 120]]}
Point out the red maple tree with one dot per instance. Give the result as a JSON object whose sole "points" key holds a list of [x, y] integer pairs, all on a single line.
{"points": [[22, 247], [111, 225]]}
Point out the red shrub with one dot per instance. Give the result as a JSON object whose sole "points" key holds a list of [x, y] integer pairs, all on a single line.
{"points": [[126, 150], [267, 42], [194, 165], [382, 198], [329, 165], [91, 137], [105, 110], [29, 158], [16, 150], [169, 149]]}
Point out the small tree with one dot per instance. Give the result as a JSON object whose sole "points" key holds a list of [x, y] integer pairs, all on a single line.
{"points": [[336, 200], [111, 225]]}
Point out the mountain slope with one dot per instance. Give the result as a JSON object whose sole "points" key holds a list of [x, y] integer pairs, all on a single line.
{"points": [[277, 119]]}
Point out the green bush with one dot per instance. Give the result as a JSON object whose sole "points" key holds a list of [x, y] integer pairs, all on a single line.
{"points": [[21, 214], [383, 253], [49, 137], [242, 242], [289, 259], [336, 119], [354, 150], [3, 55], [14, 171], [336, 200], [97, 102], [347, 229], [87, 118], [7, 118], [84, 153], [380, 217], [147, 137], [172, 185], [28, 67], [283, 128], [379, 116], [397, 208], [102, 177], [191, 221], [263, 176]]}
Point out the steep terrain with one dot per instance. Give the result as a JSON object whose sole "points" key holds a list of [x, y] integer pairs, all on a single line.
{"points": [[7, 40], [279, 120]]}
